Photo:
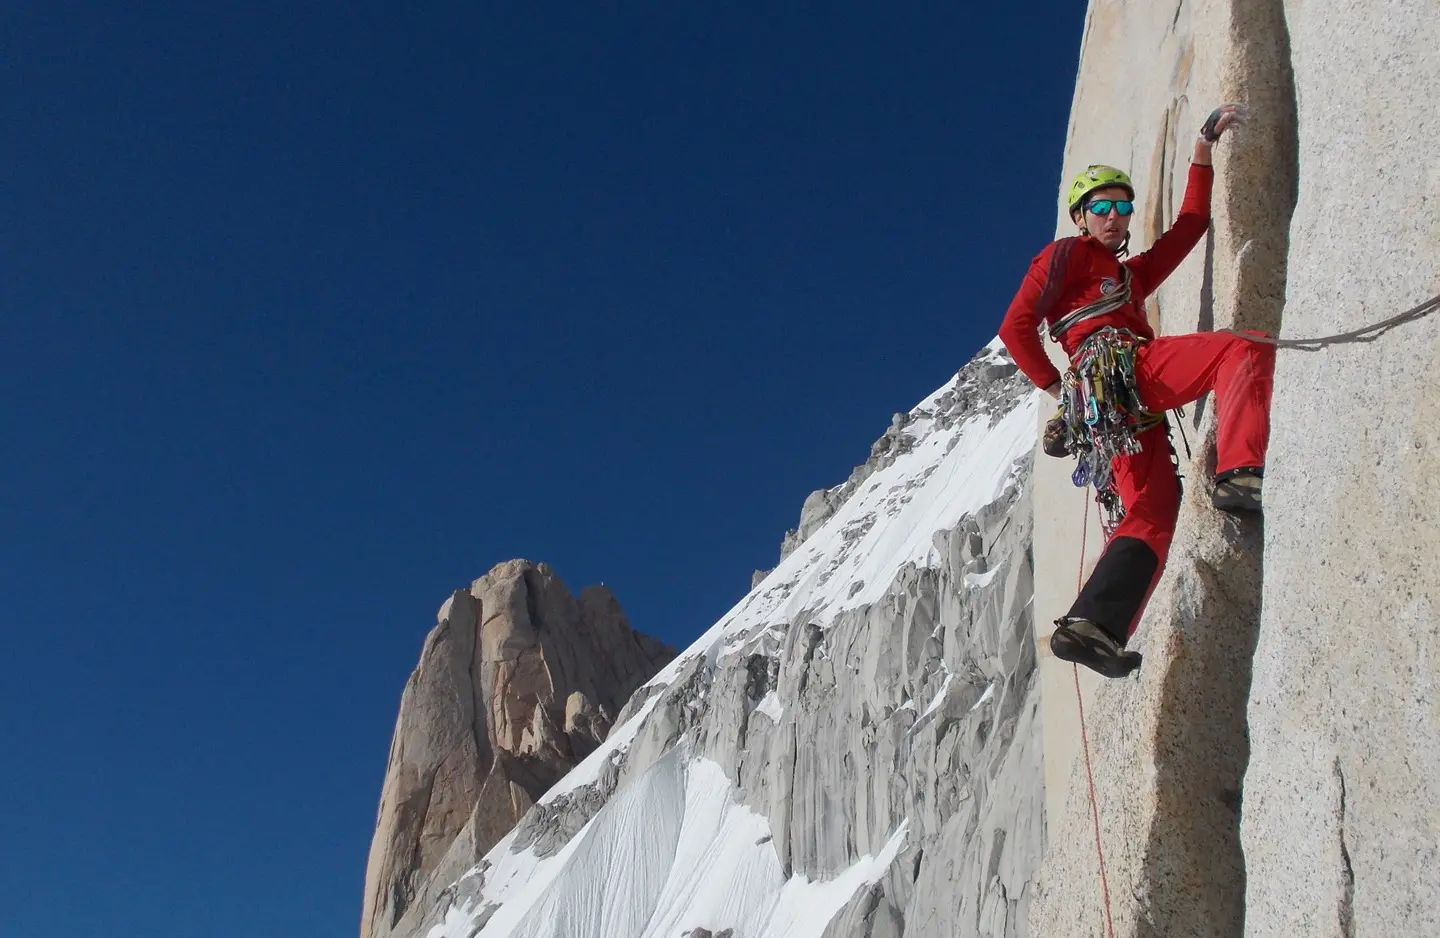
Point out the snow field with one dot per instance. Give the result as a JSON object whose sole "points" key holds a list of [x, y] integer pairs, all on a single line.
{"points": [[674, 850], [888, 523]]}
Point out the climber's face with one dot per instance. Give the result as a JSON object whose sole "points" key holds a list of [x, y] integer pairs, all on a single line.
{"points": [[1111, 227]]}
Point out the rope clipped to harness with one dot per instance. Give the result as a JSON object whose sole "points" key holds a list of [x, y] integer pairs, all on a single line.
{"points": [[1101, 416]]}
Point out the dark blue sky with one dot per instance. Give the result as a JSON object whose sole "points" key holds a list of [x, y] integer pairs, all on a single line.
{"points": [[311, 314]]}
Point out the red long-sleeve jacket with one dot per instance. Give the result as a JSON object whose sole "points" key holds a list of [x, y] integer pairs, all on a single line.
{"points": [[1073, 272]]}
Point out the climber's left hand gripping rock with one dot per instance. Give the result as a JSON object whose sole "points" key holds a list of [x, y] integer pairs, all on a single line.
{"points": [[1222, 119]]}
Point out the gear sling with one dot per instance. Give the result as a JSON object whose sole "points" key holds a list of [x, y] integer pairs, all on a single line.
{"points": [[1121, 380]]}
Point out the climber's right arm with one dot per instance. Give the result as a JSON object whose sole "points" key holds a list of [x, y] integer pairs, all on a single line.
{"points": [[1036, 299]]}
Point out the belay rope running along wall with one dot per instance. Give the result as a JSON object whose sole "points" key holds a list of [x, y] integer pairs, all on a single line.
{"points": [[1085, 742], [1101, 414], [1117, 388], [1363, 334]]}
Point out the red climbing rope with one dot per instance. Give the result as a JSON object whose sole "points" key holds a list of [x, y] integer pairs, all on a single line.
{"points": [[1085, 734], [1094, 807]]}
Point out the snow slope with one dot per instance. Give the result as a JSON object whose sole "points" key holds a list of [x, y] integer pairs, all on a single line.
{"points": [[672, 849], [889, 522]]}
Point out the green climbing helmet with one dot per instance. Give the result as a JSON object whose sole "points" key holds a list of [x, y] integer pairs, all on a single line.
{"points": [[1096, 177]]}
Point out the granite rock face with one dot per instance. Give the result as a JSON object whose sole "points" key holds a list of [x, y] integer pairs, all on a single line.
{"points": [[870, 711], [920, 707], [1168, 746], [1342, 797], [1313, 720], [517, 683], [878, 731]]}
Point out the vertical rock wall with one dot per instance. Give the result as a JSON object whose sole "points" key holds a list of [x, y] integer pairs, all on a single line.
{"points": [[922, 706], [1342, 798], [1169, 745], [1290, 664], [1331, 756]]}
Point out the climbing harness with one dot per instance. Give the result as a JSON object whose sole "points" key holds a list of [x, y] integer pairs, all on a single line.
{"points": [[1101, 416]]}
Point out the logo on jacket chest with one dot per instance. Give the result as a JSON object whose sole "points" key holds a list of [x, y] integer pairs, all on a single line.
{"points": [[1109, 286]]}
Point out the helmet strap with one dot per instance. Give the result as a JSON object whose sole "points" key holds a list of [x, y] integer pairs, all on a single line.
{"points": [[1121, 251]]}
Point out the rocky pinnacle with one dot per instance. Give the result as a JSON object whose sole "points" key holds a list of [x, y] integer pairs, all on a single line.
{"points": [[517, 682]]}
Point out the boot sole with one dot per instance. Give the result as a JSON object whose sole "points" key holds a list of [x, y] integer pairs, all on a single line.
{"points": [[1236, 504], [1077, 649]]}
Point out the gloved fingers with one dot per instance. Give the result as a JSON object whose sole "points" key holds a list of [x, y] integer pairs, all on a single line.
{"points": [[1231, 115], [1222, 119]]}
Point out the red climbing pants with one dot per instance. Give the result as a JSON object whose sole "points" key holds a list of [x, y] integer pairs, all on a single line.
{"points": [[1173, 371]]}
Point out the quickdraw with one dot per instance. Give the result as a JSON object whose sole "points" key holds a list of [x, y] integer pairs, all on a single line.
{"points": [[1101, 415]]}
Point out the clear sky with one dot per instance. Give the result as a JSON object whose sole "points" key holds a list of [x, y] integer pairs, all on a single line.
{"points": [[313, 313]]}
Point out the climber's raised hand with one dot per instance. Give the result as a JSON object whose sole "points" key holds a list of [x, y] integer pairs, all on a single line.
{"points": [[1222, 119]]}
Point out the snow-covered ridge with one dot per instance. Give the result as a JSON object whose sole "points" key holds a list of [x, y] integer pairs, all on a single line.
{"points": [[655, 835], [947, 469]]}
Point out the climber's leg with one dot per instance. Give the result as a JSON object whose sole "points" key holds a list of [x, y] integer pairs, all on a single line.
{"points": [[1172, 371], [1119, 586]]}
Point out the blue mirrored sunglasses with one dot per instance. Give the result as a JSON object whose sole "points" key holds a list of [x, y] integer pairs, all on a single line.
{"points": [[1102, 206]]}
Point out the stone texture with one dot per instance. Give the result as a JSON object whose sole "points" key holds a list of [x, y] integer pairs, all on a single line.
{"points": [[922, 706], [517, 682], [920, 709], [1168, 752], [1338, 795], [1331, 752], [1169, 746], [858, 748], [856, 752], [1342, 798]]}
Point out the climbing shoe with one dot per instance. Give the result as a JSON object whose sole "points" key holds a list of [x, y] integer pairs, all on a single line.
{"points": [[1056, 439], [1238, 490], [1083, 642]]}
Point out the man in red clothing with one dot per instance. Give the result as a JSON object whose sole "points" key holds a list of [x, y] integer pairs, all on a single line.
{"points": [[1121, 381]]}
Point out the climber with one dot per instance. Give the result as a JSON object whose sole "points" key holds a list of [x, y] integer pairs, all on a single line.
{"points": [[1121, 381]]}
